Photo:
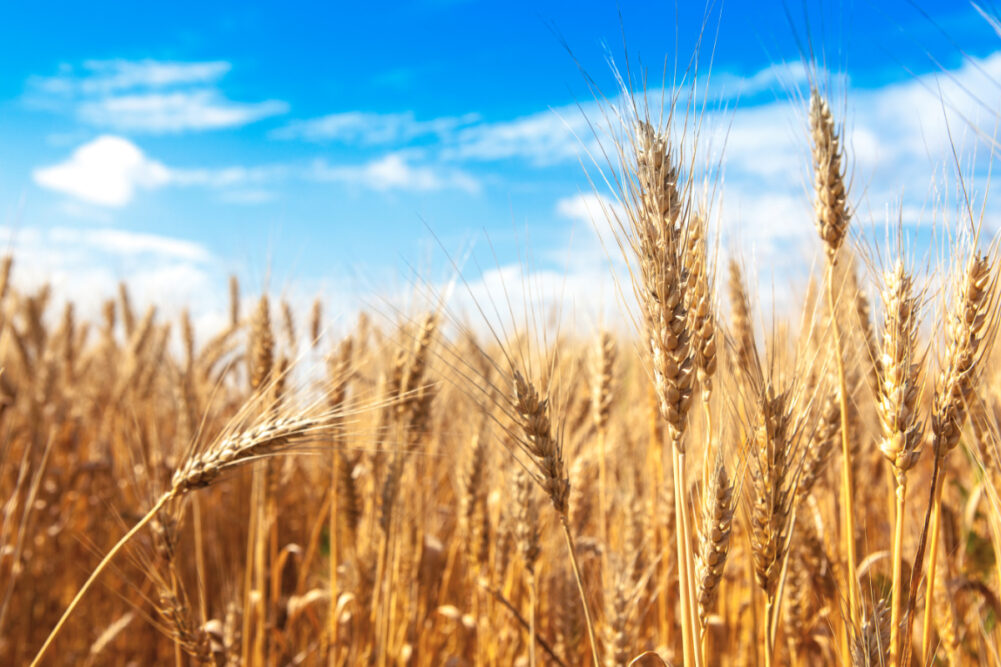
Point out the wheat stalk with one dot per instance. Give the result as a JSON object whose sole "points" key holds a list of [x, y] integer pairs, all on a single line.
{"points": [[656, 236], [831, 215]]}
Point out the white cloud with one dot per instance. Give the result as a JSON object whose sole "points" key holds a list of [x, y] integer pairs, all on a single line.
{"points": [[372, 128], [109, 170], [85, 264], [149, 96], [227, 177], [394, 172], [164, 113], [587, 208], [248, 197], [105, 171], [596, 217], [543, 138], [776, 77], [121, 242], [515, 298], [108, 76]]}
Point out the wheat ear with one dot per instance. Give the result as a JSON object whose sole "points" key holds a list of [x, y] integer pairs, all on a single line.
{"points": [[899, 376], [971, 323], [657, 235], [545, 451], [773, 498], [714, 544]]}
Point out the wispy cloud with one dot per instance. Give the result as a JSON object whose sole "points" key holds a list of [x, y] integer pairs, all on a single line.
{"points": [[85, 263], [727, 86], [542, 139], [248, 196], [103, 77], [591, 214], [147, 96], [132, 244], [396, 172], [174, 112], [368, 129], [229, 177]]}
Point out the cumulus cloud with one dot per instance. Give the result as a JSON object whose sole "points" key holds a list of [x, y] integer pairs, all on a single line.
{"points": [[367, 129], [395, 172], [106, 171], [110, 170], [150, 96]]}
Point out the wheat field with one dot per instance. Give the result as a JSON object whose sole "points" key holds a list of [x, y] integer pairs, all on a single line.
{"points": [[687, 486]]}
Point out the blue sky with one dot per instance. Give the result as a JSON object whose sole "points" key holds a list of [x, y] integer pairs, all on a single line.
{"points": [[312, 148]]}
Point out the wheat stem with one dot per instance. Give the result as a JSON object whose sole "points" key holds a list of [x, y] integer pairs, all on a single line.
{"points": [[686, 565], [531, 620], [602, 497], [898, 548], [930, 577], [769, 623], [564, 521], [683, 579], [847, 483], [334, 555]]}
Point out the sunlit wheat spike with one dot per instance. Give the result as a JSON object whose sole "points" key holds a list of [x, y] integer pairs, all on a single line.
{"points": [[742, 327], [657, 242], [714, 538], [772, 482], [972, 319], [262, 345], [526, 520], [541, 445], [899, 371], [700, 296], [603, 373], [830, 207], [201, 469]]}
